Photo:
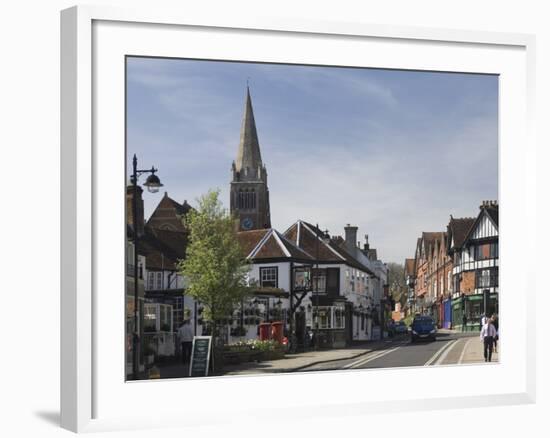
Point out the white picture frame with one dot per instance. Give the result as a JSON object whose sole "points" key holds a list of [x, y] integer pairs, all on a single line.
{"points": [[92, 42]]}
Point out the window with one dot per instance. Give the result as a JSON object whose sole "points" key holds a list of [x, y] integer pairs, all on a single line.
{"points": [[486, 251], [487, 278], [493, 251], [319, 281], [151, 281], [159, 281], [457, 283], [329, 317], [246, 199], [339, 317], [269, 276]]}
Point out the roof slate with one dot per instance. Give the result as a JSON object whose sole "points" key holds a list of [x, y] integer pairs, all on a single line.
{"points": [[459, 228]]}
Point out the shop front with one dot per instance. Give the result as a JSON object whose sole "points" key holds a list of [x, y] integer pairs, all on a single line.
{"points": [[473, 306], [331, 325]]}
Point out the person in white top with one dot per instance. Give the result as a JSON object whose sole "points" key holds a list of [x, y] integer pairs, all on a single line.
{"points": [[487, 336], [185, 337]]}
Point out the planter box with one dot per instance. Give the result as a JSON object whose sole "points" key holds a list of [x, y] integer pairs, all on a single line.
{"points": [[273, 355], [236, 357]]}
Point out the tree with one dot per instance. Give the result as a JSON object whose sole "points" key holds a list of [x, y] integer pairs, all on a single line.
{"points": [[396, 281], [214, 267]]}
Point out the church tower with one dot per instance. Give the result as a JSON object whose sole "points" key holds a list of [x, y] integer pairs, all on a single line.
{"points": [[249, 194]]}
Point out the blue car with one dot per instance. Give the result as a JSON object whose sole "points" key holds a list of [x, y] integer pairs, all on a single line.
{"points": [[423, 327]]}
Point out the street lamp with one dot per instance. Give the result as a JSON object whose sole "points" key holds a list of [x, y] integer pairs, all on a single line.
{"points": [[153, 185]]}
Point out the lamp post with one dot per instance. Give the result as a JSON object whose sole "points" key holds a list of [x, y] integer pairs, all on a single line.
{"points": [[153, 185], [325, 237]]}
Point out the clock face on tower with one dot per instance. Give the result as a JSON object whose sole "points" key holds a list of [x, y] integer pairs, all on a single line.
{"points": [[247, 223]]}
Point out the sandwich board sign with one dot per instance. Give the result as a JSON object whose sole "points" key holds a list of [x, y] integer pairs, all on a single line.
{"points": [[200, 356]]}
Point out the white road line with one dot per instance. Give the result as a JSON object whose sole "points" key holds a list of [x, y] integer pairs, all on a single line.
{"points": [[446, 352], [434, 357], [363, 361], [464, 351]]}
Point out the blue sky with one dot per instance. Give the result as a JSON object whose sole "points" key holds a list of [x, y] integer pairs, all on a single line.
{"points": [[393, 152]]}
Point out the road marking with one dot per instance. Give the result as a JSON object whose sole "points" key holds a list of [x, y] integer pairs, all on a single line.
{"points": [[363, 361], [464, 350], [446, 352], [434, 357]]}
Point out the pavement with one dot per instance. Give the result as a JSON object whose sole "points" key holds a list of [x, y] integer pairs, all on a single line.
{"points": [[298, 361]]}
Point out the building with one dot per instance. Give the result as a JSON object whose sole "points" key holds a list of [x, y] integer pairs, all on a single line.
{"points": [[280, 281], [439, 277], [341, 285], [431, 279], [249, 194], [473, 246], [410, 279], [169, 215], [131, 326]]}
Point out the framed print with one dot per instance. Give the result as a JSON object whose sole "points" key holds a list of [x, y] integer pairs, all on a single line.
{"points": [[215, 177]]}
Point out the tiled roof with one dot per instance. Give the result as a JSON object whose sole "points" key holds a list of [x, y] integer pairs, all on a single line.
{"points": [[409, 266], [269, 244], [459, 228], [163, 248], [373, 254], [303, 235], [309, 238], [168, 214], [249, 239], [492, 211]]}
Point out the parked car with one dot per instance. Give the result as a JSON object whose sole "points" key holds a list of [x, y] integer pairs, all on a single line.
{"points": [[423, 327], [400, 328]]}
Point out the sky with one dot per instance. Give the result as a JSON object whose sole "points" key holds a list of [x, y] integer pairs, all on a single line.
{"points": [[393, 152]]}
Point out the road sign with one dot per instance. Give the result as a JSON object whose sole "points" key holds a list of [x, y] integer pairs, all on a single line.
{"points": [[200, 356]]}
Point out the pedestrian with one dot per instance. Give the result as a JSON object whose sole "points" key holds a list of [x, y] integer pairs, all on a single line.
{"points": [[482, 321], [185, 338], [464, 322], [487, 336], [494, 320]]}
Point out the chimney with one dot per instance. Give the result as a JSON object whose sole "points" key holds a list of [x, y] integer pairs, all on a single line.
{"points": [[351, 237], [130, 208], [366, 246]]}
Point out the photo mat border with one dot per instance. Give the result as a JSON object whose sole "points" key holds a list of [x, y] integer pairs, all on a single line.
{"points": [[77, 197]]}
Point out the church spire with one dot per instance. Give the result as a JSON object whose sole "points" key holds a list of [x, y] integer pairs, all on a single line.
{"points": [[249, 158]]}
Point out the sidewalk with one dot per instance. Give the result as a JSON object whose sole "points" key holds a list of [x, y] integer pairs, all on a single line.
{"points": [[468, 350], [295, 362]]}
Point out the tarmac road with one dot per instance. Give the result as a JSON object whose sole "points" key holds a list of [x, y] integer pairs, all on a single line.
{"points": [[447, 349]]}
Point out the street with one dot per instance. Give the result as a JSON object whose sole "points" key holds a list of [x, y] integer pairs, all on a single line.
{"points": [[448, 349]]}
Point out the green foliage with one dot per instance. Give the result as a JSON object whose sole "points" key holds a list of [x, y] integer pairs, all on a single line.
{"points": [[254, 345], [214, 267], [396, 280]]}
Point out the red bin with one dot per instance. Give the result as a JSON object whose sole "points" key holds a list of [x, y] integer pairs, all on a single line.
{"points": [[277, 331], [265, 331]]}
